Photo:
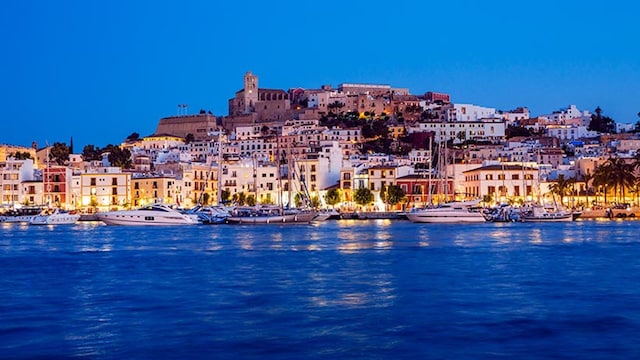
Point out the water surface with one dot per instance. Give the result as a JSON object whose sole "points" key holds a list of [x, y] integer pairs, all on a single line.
{"points": [[338, 289]]}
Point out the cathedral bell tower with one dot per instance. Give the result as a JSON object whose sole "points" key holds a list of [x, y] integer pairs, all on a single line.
{"points": [[250, 92]]}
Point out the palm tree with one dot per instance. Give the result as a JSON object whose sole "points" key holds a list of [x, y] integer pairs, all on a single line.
{"points": [[586, 178], [561, 187], [621, 174], [602, 178], [636, 160], [635, 190]]}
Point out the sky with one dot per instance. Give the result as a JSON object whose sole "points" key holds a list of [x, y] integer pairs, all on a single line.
{"points": [[97, 71]]}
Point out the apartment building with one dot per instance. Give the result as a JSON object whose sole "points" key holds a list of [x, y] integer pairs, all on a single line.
{"points": [[502, 181], [102, 189], [13, 177]]}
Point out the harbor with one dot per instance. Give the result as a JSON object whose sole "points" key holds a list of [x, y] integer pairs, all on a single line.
{"points": [[338, 289]]}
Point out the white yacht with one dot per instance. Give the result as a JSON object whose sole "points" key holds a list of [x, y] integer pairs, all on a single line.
{"points": [[325, 214], [154, 214], [454, 212], [540, 213], [54, 217], [22, 215], [267, 214]]}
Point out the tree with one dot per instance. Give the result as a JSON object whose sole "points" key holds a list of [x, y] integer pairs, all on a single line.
{"points": [[620, 175], [587, 177], [189, 138], [513, 131], [333, 197], [18, 155], [59, 153], [251, 200], [134, 136], [636, 160], [225, 195], [239, 198], [315, 202], [336, 105], [602, 178], [394, 194], [90, 153], [600, 123], [363, 197], [119, 157], [561, 187]]}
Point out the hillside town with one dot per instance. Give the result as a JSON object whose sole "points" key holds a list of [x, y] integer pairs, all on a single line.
{"points": [[355, 147]]}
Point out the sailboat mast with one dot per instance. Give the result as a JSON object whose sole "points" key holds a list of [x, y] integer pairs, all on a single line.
{"points": [[430, 168], [219, 195], [289, 176]]}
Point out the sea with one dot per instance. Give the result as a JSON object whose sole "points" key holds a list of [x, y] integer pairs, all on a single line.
{"points": [[342, 289]]}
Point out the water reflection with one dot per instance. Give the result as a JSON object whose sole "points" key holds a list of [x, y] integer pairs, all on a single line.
{"points": [[535, 236]]}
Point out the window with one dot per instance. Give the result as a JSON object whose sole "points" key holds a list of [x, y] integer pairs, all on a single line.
{"points": [[515, 177], [93, 181]]}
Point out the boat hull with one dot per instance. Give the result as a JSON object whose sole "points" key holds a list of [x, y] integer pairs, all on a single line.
{"points": [[125, 219], [556, 218], [55, 219], [17, 219], [448, 218], [273, 219]]}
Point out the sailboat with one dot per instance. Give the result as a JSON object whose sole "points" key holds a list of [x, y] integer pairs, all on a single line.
{"points": [[272, 214]]}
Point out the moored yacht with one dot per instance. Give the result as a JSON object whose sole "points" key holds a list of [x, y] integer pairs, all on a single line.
{"points": [[54, 217], [154, 214], [540, 213], [269, 215], [325, 214], [454, 212], [21, 215]]}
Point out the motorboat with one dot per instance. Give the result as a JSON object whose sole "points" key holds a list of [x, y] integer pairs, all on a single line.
{"points": [[209, 214], [269, 215], [504, 213], [54, 217], [325, 214], [453, 212], [22, 215], [154, 214], [540, 213]]}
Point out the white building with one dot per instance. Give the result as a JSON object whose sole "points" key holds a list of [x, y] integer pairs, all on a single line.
{"points": [[569, 132], [569, 113], [12, 174], [486, 130], [469, 112]]}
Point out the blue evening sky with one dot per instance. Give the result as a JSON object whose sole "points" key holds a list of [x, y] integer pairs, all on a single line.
{"points": [[99, 70]]}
